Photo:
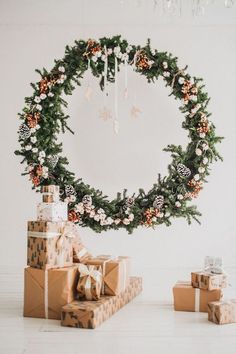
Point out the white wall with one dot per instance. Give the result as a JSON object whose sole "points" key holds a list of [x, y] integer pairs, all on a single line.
{"points": [[32, 34]]}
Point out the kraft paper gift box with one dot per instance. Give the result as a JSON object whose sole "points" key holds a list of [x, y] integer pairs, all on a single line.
{"points": [[46, 291], [80, 252], [90, 314], [50, 193], [222, 312], [50, 244], [115, 270], [187, 298], [208, 281], [90, 282], [57, 211]]}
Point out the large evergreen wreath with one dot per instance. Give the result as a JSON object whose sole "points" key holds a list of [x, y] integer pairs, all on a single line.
{"points": [[43, 118]]}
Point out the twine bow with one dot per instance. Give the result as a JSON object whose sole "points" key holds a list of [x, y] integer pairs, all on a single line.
{"points": [[180, 72], [69, 230], [91, 273]]}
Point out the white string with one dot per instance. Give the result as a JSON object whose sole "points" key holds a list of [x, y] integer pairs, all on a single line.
{"points": [[105, 76], [126, 78], [116, 123]]}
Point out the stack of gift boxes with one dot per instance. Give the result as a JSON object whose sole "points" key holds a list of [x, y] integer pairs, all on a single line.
{"points": [[63, 281], [204, 293]]}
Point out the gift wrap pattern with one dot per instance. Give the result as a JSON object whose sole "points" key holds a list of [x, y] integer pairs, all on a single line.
{"points": [[90, 314], [46, 291], [52, 211], [187, 298], [222, 312], [45, 249], [207, 281], [115, 270], [80, 252]]}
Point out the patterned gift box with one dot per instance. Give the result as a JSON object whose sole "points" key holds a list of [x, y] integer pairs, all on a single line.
{"points": [[115, 270], [80, 252], [222, 312], [90, 282], [187, 298], [52, 211], [53, 189], [50, 244], [208, 281], [46, 292], [90, 314]]}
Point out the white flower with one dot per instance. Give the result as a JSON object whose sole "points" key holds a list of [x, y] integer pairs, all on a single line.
{"points": [[79, 208], [153, 51], [96, 217], [33, 130], [37, 127], [37, 99], [181, 80], [150, 62], [43, 96], [129, 48], [131, 217], [42, 154], [198, 152], [100, 211], [167, 214], [92, 214], [28, 147], [109, 221], [177, 204], [196, 108], [166, 74], [117, 221], [98, 54], [205, 147], [109, 51], [63, 77], [103, 222], [102, 216], [117, 50], [205, 161], [196, 177], [160, 215], [41, 161], [125, 57], [33, 139], [29, 168], [66, 200], [94, 58], [51, 94], [103, 57], [180, 196], [126, 221], [193, 98], [165, 65], [61, 69], [39, 107], [45, 172], [202, 135], [51, 105], [154, 219], [201, 169], [35, 150]]}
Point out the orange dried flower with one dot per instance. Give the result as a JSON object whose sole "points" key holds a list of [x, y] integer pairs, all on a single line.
{"points": [[73, 216]]}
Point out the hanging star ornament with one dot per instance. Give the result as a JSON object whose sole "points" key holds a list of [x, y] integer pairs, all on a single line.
{"points": [[135, 111], [105, 114], [88, 93]]}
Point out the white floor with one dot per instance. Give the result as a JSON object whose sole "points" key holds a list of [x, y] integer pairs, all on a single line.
{"points": [[147, 325]]}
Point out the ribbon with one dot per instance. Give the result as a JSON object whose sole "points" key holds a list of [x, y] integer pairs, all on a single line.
{"points": [[197, 300], [46, 293], [69, 230], [91, 273], [213, 265]]}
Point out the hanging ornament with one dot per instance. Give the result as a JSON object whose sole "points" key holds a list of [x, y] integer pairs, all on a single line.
{"points": [[158, 202], [87, 200], [116, 123], [126, 78], [88, 92], [183, 170], [24, 132]]}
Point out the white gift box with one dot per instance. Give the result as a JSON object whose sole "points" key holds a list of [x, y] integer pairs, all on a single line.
{"points": [[52, 211]]}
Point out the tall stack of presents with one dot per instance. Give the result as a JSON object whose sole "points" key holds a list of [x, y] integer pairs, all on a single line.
{"points": [[64, 281]]}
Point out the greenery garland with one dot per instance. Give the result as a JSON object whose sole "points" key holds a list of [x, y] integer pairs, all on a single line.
{"points": [[43, 118]]}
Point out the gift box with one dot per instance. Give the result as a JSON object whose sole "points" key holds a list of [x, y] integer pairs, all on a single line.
{"points": [[90, 314], [187, 298], [208, 281], [80, 252], [53, 189], [46, 291], [90, 282], [115, 272], [50, 244], [222, 312], [52, 211], [50, 198]]}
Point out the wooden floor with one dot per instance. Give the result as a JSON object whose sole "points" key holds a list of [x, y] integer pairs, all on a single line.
{"points": [[147, 325]]}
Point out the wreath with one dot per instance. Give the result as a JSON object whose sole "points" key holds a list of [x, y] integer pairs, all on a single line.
{"points": [[43, 118]]}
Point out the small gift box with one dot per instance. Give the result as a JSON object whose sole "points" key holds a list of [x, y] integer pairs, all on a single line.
{"points": [[222, 312], [50, 194], [115, 271], [90, 282], [47, 291], [52, 211], [80, 252], [208, 281], [187, 298], [50, 244], [53, 189], [90, 314]]}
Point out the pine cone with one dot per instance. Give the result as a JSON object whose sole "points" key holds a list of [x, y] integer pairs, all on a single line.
{"points": [[24, 132], [183, 170], [69, 190], [158, 202], [87, 200]]}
